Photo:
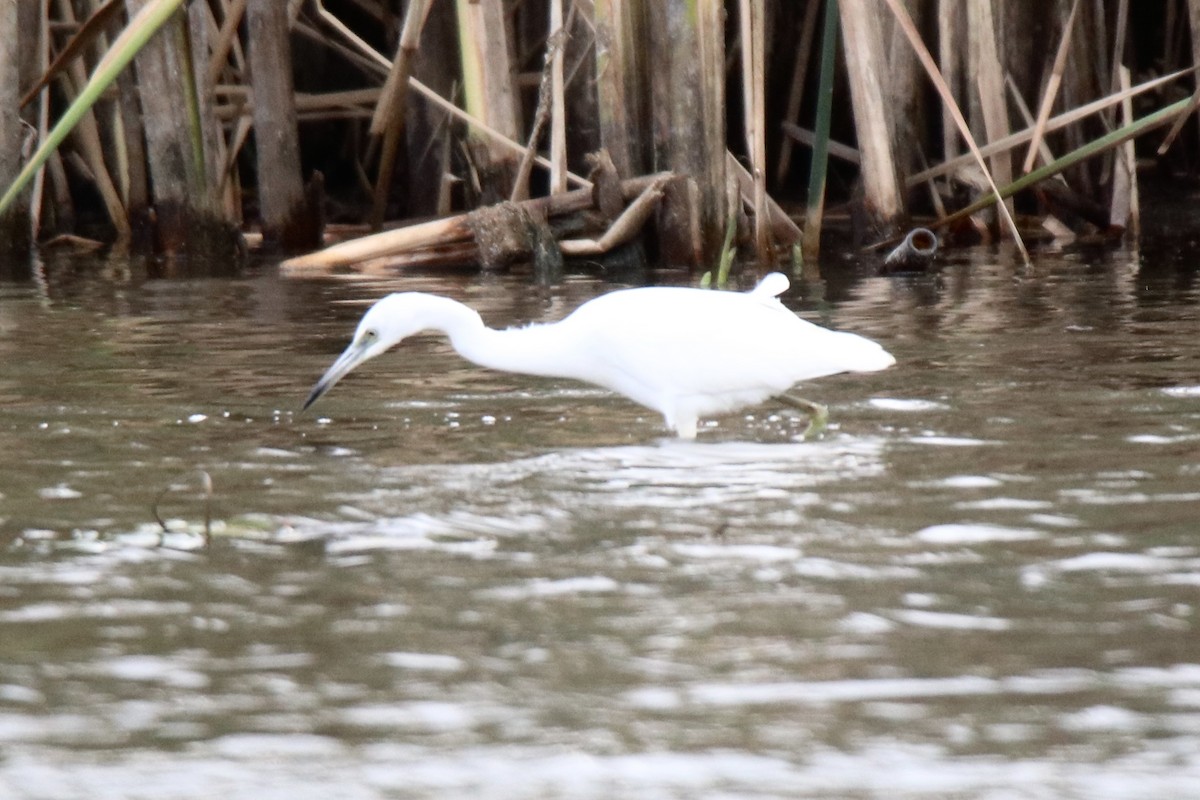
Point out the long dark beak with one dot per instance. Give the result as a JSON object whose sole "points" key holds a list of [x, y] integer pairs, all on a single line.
{"points": [[353, 355]]}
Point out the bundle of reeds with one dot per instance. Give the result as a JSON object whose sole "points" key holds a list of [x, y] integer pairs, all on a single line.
{"points": [[182, 125]]}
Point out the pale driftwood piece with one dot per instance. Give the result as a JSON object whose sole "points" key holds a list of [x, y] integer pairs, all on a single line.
{"points": [[441, 231], [379, 245], [623, 229], [441, 256], [1056, 73], [866, 68]]}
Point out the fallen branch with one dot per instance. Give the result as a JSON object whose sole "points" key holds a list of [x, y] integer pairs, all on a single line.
{"points": [[623, 229], [447, 230]]}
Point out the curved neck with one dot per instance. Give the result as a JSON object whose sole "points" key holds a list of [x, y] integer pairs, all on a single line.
{"points": [[533, 350]]}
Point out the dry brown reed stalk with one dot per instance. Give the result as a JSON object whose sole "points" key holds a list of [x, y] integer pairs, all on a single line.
{"points": [[1052, 84], [226, 41], [373, 60], [1193, 12], [288, 218], [1177, 127], [687, 95], [836, 149], [753, 33], [1194, 23], [43, 126], [1120, 31], [445, 231], [783, 229], [76, 46], [391, 100], [950, 22], [87, 138], [544, 112], [1031, 123], [1124, 209], [620, 96], [388, 119], [14, 225], [984, 61], [558, 105], [488, 72], [796, 87], [914, 38], [866, 69], [1054, 123]]}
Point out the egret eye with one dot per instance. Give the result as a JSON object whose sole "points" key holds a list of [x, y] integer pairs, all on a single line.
{"points": [[368, 337]]}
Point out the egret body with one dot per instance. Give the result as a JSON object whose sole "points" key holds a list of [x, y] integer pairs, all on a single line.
{"points": [[686, 353]]}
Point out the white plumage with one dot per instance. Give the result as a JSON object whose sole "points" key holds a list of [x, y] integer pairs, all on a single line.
{"points": [[686, 353]]}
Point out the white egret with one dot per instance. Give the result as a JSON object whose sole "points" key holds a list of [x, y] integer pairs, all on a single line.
{"points": [[686, 353]]}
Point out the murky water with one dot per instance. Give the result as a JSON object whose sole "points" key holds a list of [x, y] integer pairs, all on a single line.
{"points": [[982, 582]]}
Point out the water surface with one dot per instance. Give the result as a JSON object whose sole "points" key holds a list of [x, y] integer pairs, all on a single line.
{"points": [[981, 582]]}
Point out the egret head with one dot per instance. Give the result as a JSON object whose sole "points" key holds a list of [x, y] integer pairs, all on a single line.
{"points": [[385, 325]]}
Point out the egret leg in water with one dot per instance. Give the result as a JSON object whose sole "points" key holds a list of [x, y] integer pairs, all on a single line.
{"points": [[686, 353], [818, 415]]}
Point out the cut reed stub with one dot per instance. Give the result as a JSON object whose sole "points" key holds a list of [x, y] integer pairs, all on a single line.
{"points": [[914, 254]]}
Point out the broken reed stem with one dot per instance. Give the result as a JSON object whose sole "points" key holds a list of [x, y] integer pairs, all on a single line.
{"points": [[1147, 123], [753, 31], [1055, 123], [931, 69], [558, 104], [984, 63], [520, 190], [796, 87], [866, 70], [1124, 210], [226, 40], [1048, 97], [443, 231], [1014, 93], [382, 64], [388, 119]]}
